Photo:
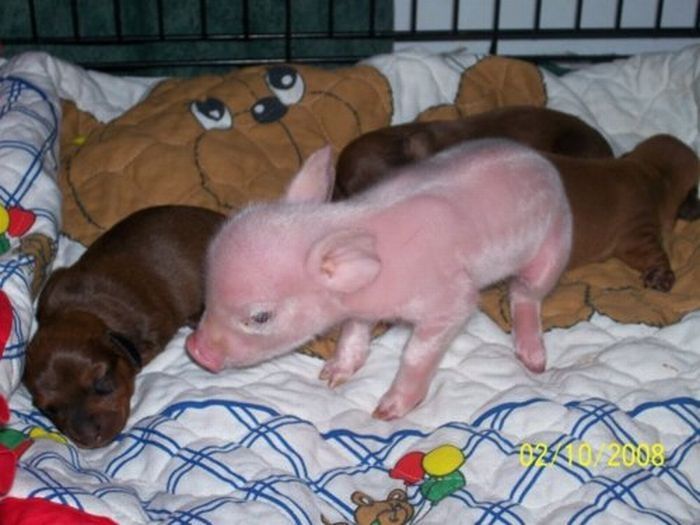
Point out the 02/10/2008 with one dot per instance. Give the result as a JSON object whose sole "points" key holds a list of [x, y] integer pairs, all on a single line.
{"points": [[582, 453]]}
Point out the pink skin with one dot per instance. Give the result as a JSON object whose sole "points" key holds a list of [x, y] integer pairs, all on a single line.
{"points": [[417, 248]]}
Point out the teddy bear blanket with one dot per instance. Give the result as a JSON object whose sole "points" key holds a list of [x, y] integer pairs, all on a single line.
{"points": [[610, 433]]}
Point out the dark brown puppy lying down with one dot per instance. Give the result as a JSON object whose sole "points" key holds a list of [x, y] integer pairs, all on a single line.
{"points": [[113, 311], [622, 207], [625, 207], [366, 160]]}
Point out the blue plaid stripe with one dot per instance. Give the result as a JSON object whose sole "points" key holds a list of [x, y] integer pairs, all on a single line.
{"points": [[52, 489], [15, 349], [496, 512], [13, 89], [498, 414], [141, 438], [272, 435], [199, 459], [17, 268], [620, 490], [24, 161]]}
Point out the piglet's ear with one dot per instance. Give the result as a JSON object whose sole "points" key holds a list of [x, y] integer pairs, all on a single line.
{"points": [[345, 261], [314, 181]]}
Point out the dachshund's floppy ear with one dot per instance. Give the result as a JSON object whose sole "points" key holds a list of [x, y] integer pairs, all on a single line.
{"points": [[690, 208], [47, 304], [127, 348]]}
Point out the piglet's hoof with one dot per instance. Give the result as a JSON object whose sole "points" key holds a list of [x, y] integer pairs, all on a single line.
{"points": [[532, 354], [536, 365], [336, 373], [397, 403], [660, 279], [387, 413]]}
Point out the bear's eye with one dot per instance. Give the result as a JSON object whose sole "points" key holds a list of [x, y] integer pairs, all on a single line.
{"points": [[211, 113], [286, 83]]}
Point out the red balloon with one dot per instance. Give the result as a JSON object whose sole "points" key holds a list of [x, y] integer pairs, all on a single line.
{"points": [[409, 468], [5, 320], [20, 221]]}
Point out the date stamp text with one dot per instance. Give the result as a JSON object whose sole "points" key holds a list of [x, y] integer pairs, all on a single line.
{"points": [[582, 453]]}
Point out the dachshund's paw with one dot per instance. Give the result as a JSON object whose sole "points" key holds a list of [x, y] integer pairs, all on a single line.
{"points": [[658, 278]]}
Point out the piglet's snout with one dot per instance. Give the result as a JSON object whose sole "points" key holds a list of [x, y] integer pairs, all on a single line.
{"points": [[204, 351]]}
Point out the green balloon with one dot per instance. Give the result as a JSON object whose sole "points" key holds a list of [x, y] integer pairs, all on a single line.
{"points": [[4, 244], [436, 489], [10, 438]]}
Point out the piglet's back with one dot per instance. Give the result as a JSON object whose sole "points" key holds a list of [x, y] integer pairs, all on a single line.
{"points": [[466, 198], [469, 172]]}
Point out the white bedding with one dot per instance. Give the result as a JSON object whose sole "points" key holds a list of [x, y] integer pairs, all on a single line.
{"points": [[273, 444]]}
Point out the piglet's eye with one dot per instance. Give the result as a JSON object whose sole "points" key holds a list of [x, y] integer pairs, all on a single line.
{"points": [[261, 317]]}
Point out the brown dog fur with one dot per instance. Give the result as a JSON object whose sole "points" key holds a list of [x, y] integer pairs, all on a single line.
{"points": [[112, 312], [622, 207], [366, 160], [626, 207]]}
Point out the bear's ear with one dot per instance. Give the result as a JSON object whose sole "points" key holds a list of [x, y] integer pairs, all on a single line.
{"points": [[314, 181], [344, 261], [361, 499], [397, 495]]}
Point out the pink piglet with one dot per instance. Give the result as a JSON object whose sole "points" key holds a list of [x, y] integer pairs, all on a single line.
{"points": [[416, 249]]}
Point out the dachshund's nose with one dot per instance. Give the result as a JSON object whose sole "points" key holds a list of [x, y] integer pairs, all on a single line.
{"points": [[268, 109], [88, 433]]}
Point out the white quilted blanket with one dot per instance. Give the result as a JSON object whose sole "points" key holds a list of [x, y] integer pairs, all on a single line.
{"points": [[609, 434]]}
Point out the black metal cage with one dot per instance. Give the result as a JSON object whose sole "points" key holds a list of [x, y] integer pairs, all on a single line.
{"points": [[177, 35]]}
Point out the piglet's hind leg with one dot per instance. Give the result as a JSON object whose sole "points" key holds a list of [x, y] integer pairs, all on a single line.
{"points": [[527, 290]]}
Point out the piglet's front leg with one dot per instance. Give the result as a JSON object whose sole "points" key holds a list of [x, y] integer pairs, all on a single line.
{"points": [[350, 353], [419, 362], [422, 355]]}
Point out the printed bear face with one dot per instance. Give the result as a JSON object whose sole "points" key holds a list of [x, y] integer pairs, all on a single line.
{"points": [[217, 141], [394, 510]]}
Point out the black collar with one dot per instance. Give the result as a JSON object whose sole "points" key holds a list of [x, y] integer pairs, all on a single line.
{"points": [[128, 347]]}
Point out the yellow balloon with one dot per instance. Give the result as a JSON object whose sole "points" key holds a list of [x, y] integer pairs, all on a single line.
{"points": [[4, 220], [443, 460], [40, 433]]}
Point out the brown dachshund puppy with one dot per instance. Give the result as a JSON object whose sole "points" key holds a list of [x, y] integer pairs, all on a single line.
{"points": [[113, 311], [625, 207], [622, 207], [366, 160]]}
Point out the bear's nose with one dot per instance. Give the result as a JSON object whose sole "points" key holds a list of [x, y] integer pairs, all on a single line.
{"points": [[268, 109]]}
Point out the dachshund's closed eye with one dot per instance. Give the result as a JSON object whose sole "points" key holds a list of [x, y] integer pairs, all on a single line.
{"points": [[104, 385]]}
